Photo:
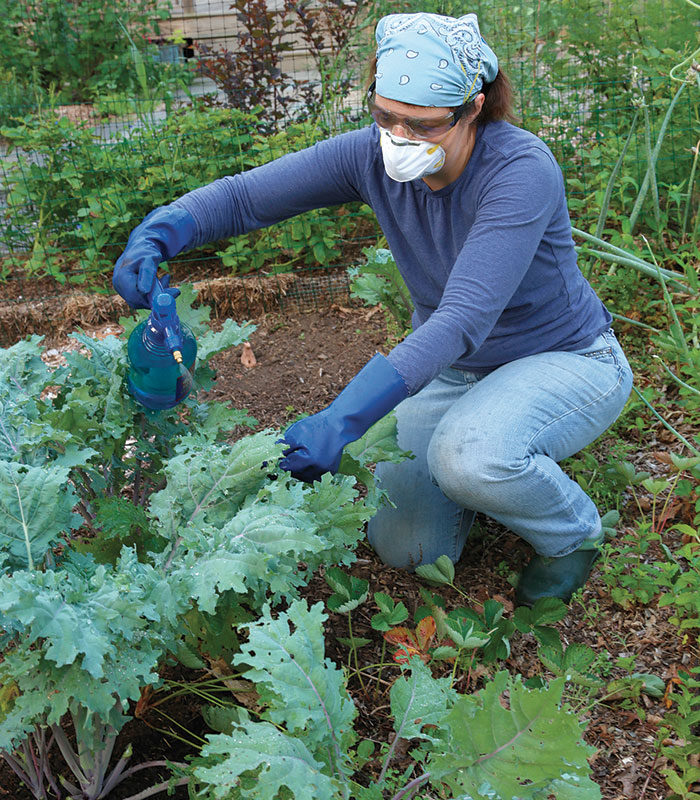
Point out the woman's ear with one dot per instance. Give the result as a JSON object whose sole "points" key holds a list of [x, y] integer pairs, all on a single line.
{"points": [[478, 104]]}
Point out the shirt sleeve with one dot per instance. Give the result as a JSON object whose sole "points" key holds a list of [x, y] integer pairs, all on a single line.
{"points": [[326, 174], [513, 213]]}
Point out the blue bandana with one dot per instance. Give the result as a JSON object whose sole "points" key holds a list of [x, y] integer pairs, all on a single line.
{"points": [[430, 60]]}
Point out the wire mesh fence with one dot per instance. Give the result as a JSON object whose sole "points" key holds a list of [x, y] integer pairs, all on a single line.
{"points": [[107, 113]]}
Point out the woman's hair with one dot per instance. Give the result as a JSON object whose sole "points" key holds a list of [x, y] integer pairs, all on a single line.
{"points": [[498, 97]]}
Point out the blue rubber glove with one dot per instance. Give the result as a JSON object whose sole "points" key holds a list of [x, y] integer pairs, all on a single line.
{"points": [[163, 234], [316, 443]]}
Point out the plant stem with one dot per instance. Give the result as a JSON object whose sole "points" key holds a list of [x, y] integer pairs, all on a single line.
{"points": [[672, 310], [662, 516], [668, 425], [414, 784], [640, 264], [85, 511], [86, 482], [677, 379], [634, 322], [600, 226], [653, 156], [354, 653], [381, 667], [199, 739], [16, 767], [68, 753], [27, 542], [691, 181], [651, 172], [161, 787], [170, 733], [116, 776], [651, 772], [630, 260], [454, 668], [44, 749], [639, 505]]}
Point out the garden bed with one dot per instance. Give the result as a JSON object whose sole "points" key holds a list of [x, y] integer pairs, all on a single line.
{"points": [[302, 360]]}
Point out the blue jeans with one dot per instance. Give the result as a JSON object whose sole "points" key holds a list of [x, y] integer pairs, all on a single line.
{"points": [[491, 444]]}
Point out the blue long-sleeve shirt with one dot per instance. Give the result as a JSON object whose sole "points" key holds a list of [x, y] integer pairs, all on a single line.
{"points": [[489, 260]]}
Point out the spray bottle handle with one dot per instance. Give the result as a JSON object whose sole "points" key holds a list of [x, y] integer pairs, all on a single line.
{"points": [[164, 317], [156, 289]]}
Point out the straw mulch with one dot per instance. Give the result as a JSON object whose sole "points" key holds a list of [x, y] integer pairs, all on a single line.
{"points": [[237, 298]]}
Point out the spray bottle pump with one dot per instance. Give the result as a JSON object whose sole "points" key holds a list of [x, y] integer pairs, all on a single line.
{"points": [[162, 352]]}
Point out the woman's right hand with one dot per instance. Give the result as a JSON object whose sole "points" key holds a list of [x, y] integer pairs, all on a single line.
{"points": [[163, 234]]}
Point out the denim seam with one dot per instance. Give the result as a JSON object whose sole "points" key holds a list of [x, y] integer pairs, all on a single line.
{"points": [[456, 533], [543, 474], [580, 408], [572, 513]]}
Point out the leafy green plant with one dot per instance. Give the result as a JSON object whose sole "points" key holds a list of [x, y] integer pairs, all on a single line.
{"points": [[349, 592], [631, 575], [128, 535], [683, 773], [378, 281], [76, 46], [88, 198], [303, 738], [683, 582]]}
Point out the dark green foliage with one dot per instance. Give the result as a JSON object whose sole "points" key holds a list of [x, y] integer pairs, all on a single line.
{"points": [[378, 280], [76, 46]]}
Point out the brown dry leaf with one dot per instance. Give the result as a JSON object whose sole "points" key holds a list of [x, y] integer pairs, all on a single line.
{"points": [[243, 691], [668, 694], [505, 602], [143, 702], [248, 356], [627, 779]]}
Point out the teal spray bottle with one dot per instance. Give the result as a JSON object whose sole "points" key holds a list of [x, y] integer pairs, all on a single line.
{"points": [[162, 351]]}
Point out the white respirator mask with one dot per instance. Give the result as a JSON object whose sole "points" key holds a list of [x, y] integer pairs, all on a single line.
{"points": [[409, 159]]}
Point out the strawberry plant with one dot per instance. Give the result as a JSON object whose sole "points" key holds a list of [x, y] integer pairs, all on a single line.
{"points": [[128, 535]]}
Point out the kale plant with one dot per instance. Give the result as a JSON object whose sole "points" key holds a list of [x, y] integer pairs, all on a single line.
{"points": [[128, 535]]}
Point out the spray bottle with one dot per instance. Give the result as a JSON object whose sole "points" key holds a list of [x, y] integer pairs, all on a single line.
{"points": [[161, 351]]}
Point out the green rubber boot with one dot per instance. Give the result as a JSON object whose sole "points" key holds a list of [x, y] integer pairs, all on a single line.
{"points": [[557, 577]]}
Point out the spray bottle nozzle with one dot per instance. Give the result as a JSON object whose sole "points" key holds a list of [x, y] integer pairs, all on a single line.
{"points": [[165, 321]]}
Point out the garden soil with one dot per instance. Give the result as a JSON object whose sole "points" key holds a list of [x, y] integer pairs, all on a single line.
{"points": [[297, 363]]}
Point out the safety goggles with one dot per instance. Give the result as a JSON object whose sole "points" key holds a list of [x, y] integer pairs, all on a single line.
{"points": [[417, 128]]}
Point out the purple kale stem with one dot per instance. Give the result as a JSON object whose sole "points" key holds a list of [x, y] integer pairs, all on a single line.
{"points": [[71, 787], [7, 436], [162, 787], [409, 787], [44, 749], [68, 753], [102, 757], [115, 776], [147, 764], [30, 764], [115, 780], [16, 767]]}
